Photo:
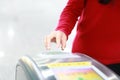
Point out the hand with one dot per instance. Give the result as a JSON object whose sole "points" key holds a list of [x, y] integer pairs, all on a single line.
{"points": [[58, 37]]}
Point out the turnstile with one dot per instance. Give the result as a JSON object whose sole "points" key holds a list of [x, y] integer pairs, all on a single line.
{"points": [[62, 66]]}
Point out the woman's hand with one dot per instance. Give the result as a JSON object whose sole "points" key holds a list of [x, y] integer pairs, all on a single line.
{"points": [[58, 37]]}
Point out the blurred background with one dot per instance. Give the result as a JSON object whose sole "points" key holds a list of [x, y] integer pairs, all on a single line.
{"points": [[23, 25]]}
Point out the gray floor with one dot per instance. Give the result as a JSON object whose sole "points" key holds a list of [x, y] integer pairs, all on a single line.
{"points": [[23, 25]]}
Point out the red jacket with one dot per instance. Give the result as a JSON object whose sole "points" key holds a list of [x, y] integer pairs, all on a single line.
{"points": [[98, 28]]}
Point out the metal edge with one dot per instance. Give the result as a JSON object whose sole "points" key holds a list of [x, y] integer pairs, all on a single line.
{"points": [[30, 68]]}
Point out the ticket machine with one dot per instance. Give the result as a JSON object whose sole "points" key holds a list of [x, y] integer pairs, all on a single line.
{"points": [[62, 66]]}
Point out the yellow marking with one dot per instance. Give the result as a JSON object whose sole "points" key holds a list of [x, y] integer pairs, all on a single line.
{"points": [[69, 64]]}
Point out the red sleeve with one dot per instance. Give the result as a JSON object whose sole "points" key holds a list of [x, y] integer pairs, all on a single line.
{"points": [[70, 15]]}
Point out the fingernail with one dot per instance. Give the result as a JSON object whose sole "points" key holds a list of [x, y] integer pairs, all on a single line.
{"points": [[62, 48]]}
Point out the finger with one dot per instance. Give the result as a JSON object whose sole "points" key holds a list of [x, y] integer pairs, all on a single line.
{"points": [[49, 39], [63, 42], [47, 42], [58, 40]]}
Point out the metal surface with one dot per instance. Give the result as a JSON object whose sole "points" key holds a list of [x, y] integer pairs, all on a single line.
{"points": [[34, 66]]}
